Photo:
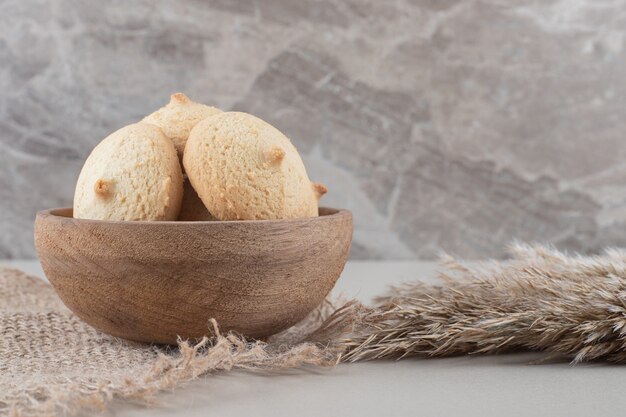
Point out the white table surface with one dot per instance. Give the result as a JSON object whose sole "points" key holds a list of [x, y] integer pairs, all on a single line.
{"points": [[464, 386]]}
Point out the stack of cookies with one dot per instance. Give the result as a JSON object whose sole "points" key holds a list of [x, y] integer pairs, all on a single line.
{"points": [[188, 161]]}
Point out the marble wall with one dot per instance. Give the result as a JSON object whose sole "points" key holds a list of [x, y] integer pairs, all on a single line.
{"points": [[442, 124]]}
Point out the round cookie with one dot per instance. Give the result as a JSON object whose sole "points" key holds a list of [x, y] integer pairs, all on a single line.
{"points": [[244, 168], [178, 117], [193, 209], [133, 174]]}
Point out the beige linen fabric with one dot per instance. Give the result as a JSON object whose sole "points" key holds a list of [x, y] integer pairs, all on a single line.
{"points": [[52, 363]]}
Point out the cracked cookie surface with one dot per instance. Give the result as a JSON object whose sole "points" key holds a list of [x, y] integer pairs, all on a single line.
{"points": [[178, 117], [243, 168], [133, 174]]}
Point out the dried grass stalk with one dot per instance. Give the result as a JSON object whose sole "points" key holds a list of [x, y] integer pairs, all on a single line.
{"points": [[540, 300]]}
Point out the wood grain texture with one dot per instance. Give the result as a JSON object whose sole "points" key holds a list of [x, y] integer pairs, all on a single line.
{"points": [[155, 281]]}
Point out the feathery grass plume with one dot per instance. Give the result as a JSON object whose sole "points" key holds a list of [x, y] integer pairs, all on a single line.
{"points": [[539, 300]]}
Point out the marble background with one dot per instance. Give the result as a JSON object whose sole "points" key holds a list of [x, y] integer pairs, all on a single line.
{"points": [[442, 124]]}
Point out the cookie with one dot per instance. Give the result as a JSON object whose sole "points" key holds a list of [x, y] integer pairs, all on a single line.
{"points": [[193, 209], [133, 174], [178, 117], [243, 168]]}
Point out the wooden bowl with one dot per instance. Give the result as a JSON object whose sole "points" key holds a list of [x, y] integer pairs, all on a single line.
{"points": [[155, 281]]}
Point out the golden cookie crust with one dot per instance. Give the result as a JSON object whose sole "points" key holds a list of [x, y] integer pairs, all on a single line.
{"points": [[243, 168], [133, 174], [178, 117]]}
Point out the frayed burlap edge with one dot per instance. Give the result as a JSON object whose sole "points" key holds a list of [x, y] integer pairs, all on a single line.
{"points": [[310, 343], [210, 355]]}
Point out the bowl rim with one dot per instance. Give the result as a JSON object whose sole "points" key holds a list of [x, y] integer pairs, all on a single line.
{"points": [[330, 213]]}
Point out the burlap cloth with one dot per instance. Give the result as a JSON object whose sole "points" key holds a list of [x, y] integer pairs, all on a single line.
{"points": [[52, 363]]}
